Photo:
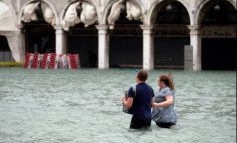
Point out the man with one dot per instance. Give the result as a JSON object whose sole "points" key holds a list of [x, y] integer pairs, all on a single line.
{"points": [[139, 102]]}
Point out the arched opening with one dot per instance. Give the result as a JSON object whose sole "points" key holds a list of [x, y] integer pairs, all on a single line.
{"points": [[84, 41], [82, 35], [5, 52], [218, 21], [39, 35], [171, 35], [7, 31], [125, 48]]}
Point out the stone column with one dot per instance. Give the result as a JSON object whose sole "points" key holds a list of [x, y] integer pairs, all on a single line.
{"points": [[60, 40], [195, 42], [18, 54], [18, 5], [103, 40], [22, 44], [148, 47]]}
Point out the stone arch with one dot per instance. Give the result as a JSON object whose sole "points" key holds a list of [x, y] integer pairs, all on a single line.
{"points": [[110, 4], [80, 34], [151, 14], [200, 8], [62, 14], [19, 23], [11, 34]]}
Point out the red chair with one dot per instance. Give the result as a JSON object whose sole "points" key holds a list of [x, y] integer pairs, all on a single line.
{"points": [[27, 60], [35, 61], [44, 61]]}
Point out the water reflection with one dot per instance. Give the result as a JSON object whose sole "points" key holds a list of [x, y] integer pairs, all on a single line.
{"points": [[85, 106]]}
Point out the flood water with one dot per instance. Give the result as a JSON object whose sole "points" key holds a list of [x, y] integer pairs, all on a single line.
{"points": [[84, 106]]}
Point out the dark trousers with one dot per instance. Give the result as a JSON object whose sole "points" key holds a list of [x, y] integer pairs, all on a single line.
{"points": [[139, 123], [164, 125]]}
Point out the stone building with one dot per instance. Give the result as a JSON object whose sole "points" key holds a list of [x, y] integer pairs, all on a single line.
{"points": [[148, 34]]}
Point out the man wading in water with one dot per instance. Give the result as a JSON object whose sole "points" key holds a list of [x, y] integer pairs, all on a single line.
{"points": [[139, 102]]}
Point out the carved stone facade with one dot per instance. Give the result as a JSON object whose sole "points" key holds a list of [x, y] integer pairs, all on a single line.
{"points": [[64, 15]]}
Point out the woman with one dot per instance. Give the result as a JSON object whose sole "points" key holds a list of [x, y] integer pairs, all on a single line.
{"points": [[164, 113]]}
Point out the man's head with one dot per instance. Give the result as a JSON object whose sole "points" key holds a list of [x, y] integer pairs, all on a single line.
{"points": [[142, 76]]}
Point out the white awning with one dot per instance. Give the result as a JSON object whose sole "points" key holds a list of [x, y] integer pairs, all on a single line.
{"points": [[7, 22], [9, 29]]}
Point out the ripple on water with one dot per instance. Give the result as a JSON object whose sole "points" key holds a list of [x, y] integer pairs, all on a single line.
{"points": [[85, 106]]}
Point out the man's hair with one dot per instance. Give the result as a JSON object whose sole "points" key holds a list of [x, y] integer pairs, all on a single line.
{"points": [[142, 75]]}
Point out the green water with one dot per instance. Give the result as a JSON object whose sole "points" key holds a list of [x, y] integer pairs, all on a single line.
{"points": [[84, 106]]}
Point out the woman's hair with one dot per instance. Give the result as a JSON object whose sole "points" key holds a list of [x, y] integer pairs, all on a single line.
{"points": [[168, 80]]}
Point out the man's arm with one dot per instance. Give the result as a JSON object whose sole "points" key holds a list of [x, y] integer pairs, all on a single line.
{"points": [[128, 103]]}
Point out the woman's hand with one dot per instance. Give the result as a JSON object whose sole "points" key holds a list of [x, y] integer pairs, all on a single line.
{"points": [[155, 105]]}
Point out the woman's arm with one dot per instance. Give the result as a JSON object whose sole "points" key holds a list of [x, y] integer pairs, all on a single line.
{"points": [[128, 102], [169, 101], [152, 101]]}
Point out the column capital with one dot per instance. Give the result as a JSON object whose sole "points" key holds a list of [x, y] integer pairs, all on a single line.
{"points": [[147, 27], [194, 29], [58, 27], [102, 27], [19, 26]]}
